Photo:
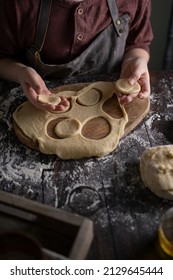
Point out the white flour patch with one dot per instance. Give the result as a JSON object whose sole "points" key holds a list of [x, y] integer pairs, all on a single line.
{"points": [[15, 168], [169, 105], [139, 139], [151, 119], [19, 166], [124, 219]]}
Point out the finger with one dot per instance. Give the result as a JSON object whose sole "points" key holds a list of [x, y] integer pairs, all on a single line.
{"points": [[63, 106], [63, 98], [144, 94], [133, 79], [135, 75], [145, 88], [125, 99], [65, 102]]}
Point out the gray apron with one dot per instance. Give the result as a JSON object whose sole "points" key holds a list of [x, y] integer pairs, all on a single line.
{"points": [[104, 55]]}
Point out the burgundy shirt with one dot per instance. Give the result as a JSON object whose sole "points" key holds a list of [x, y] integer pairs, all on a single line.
{"points": [[72, 27]]}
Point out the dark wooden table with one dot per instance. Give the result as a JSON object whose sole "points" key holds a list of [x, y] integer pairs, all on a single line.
{"points": [[108, 190]]}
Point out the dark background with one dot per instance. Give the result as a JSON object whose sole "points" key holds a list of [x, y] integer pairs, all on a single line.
{"points": [[161, 19]]}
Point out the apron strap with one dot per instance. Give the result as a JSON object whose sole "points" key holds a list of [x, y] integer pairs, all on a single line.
{"points": [[118, 24], [43, 21], [42, 25]]}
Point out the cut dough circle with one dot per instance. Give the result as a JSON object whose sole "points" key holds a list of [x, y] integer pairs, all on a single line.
{"points": [[89, 98], [67, 128], [156, 167], [124, 87], [52, 99]]}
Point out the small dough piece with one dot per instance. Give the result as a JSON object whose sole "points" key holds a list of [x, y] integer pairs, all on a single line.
{"points": [[89, 98], [67, 128], [52, 99], [123, 87], [156, 166]]}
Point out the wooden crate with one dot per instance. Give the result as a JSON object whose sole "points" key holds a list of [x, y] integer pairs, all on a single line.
{"points": [[63, 235]]}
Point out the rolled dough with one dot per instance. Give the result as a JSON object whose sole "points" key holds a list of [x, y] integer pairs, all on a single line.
{"points": [[66, 139], [156, 166]]}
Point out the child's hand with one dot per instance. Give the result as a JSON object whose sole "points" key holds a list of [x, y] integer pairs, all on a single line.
{"points": [[136, 70], [33, 85]]}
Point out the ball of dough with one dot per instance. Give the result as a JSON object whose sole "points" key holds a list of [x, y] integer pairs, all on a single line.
{"points": [[156, 167], [123, 86]]}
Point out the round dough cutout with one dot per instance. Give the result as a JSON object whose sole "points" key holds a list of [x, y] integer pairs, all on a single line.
{"points": [[52, 99], [67, 128], [124, 87], [89, 98]]}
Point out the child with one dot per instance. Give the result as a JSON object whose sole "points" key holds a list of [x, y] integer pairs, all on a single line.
{"points": [[64, 38]]}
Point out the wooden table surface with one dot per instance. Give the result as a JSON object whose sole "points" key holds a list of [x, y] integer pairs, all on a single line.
{"points": [[108, 190]]}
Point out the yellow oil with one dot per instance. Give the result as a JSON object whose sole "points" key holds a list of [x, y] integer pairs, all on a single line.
{"points": [[165, 244], [165, 232]]}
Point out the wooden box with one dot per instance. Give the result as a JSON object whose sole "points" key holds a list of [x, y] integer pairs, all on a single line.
{"points": [[62, 235]]}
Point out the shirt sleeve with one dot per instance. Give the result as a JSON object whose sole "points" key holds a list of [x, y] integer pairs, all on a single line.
{"points": [[140, 33]]}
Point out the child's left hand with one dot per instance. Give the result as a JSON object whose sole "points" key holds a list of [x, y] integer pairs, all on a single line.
{"points": [[136, 70]]}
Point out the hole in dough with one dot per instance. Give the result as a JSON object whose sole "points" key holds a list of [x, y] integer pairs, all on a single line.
{"points": [[67, 128], [112, 107], [90, 97], [96, 128], [52, 99]]}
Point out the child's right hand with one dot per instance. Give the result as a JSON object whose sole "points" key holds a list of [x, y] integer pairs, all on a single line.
{"points": [[33, 85]]}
